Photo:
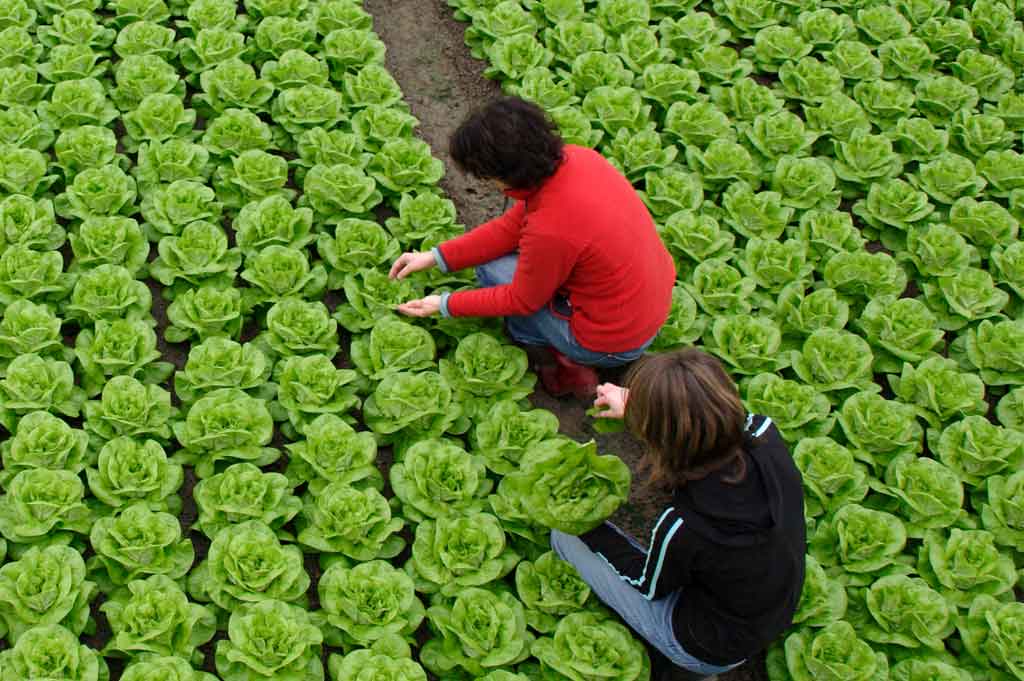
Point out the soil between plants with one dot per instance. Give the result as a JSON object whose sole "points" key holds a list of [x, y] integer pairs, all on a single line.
{"points": [[442, 83]]}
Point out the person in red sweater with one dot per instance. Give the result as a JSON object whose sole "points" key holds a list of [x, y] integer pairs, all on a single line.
{"points": [[576, 264]]}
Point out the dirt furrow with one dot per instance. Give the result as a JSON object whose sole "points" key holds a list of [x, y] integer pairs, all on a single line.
{"points": [[442, 83]]}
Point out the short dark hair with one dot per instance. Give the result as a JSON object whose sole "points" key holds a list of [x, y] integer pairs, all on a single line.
{"points": [[687, 410], [508, 139]]}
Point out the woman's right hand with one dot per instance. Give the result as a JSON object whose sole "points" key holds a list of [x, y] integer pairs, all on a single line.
{"points": [[613, 398], [407, 263]]}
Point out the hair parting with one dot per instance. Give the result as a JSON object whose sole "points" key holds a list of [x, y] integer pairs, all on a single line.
{"points": [[687, 410]]}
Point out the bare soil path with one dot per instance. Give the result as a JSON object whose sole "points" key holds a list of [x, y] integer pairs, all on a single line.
{"points": [[442, 83]]}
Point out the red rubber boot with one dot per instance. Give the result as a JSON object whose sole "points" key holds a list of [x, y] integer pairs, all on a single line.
{"points": [[566, 377]]}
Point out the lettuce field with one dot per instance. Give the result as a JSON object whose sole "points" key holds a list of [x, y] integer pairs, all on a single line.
{"points": [[224, 457], [841, 184]]}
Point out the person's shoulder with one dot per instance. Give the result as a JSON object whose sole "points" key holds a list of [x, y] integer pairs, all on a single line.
{"points": [[763, 436], [670, 521], [584, 158], [582, 183], [758, 425], [768, 447], [576, 151], [576, 198]]}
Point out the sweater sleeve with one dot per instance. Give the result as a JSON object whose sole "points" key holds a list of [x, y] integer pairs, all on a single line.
{"points": [[545, 262], [663, 568], [487, 242]]}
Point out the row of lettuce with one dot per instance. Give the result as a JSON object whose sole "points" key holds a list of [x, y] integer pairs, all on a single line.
{"points": [[235, 163], [841, 183]]}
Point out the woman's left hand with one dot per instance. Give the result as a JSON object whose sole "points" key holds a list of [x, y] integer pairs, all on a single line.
{"points": [[424, 307], [613, 398]]}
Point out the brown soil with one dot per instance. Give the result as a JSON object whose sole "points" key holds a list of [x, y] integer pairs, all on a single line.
{"points": [[442, 83]]}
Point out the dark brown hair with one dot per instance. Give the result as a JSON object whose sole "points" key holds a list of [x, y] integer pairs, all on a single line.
{"points": [[508, 139], [687, 410]]}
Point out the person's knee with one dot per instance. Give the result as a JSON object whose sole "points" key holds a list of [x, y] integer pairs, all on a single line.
{"points": [[560, 543], [498, 271], [522, 331], [483, 276], [530, 330], [614, 360]]}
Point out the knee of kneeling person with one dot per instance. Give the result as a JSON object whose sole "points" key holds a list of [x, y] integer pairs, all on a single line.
{"points": [[498, 271], [560, 543]]}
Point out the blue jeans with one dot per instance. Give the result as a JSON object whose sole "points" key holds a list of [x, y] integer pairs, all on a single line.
{"points": [[650, 619], [546, 328]]}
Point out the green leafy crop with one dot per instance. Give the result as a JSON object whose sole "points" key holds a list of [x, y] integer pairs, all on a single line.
{"points": [[609, 649], [247, 563], [353, 522], [241, 493], [137, 542], [270, 639], [201, 354], [550, 588], [478, 631], [411, 406], [482, 371], [436, 477], [367, 603], [964, 565], [832, 651], [226, 424], [51, 651], [455, 552], [48, 585], [153, 616], [567, 485]]}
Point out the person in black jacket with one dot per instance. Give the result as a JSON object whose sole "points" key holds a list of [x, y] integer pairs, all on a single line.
{"points": [[722, 576]]}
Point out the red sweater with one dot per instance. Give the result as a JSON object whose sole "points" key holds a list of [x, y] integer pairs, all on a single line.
{"points": [[585, 233]]}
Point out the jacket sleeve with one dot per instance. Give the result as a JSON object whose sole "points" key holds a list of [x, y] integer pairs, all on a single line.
{"points": [[663, 568], [487, 242], [545, 262]]}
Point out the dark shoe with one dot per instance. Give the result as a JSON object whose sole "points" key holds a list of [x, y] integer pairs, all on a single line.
{"points": [[616, 375], [565, 377], [673, 673], [663, 670], [538, 357], [679, 674]]}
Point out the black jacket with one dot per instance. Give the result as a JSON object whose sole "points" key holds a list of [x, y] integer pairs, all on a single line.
{"points": [[736, 551]]}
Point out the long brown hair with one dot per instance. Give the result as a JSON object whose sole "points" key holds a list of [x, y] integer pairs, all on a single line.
{"points": [[687, 410]]}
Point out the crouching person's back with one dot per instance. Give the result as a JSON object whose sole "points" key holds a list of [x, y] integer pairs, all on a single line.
{"points": [[722, 575]]}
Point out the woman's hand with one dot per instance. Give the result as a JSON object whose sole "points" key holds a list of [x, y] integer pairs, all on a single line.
{"points": [[424, 307], [408, 263], [613, 398]]}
